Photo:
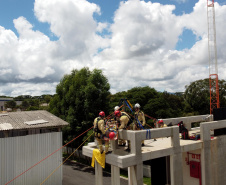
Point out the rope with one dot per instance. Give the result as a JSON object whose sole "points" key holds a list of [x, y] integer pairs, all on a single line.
{"points": [[148, 133], [130, 104], [150, 117], [140, 125], [66, 159], [47, 156]]}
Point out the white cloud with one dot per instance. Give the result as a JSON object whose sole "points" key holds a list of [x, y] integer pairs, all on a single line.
{"points": [[139, 51]]}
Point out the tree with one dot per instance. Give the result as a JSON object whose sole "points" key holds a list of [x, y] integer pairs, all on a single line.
{"points": [[47, 98], [79, 98], [10, 104], [153, 103], [197, 95], [165, 105], [25, 105]]}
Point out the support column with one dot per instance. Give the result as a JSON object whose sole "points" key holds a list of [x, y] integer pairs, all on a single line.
{"points": [[98, 174], [176, 169], [114, 145], [206, 156], [115, 175], [135, 174]]}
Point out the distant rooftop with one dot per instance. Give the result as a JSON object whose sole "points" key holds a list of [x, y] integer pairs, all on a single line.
{"points": [[29, 119], [6, 99]]}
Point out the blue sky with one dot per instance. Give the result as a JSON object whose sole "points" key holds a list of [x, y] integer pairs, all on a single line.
{"points": [[162, 44], [12, 9]]}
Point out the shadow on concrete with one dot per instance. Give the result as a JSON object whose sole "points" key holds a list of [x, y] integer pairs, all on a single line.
{"points": [[84, 168]]}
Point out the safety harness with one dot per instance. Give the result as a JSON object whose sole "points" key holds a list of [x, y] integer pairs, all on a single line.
{"points": [[97, 131], [136, 118], [130, 120]]}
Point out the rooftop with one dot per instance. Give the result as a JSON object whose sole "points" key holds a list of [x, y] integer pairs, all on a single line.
{"points": [[29, 119]]}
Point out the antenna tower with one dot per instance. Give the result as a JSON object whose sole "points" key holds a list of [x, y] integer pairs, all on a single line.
{"points": [[213, 70]]}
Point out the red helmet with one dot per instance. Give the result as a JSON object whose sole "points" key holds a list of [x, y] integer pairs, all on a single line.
{"points": [[117, 113], [160, 121], [102, 114]]}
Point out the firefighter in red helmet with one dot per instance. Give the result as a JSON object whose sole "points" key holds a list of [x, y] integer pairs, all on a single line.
{"points": [[161, 124], [99, 132], [124, 121]]}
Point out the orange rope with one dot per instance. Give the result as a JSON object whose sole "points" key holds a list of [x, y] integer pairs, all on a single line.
{"points": [[66, 159], [48, 156], [113, 113]]}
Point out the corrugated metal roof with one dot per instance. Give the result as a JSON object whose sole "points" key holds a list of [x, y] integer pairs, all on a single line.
{"points": [[18, 119], [35, 122]]}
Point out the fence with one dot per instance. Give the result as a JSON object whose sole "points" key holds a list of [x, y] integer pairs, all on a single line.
{"points": [[17, 154]]}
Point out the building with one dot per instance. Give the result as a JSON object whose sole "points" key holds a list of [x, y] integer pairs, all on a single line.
{"points": [[2, 103], [4, 100], [173, 161], [26, 138]]}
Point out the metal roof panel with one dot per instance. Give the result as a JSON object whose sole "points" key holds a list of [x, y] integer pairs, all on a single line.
{"points": [[6, 126], [18, 119]]}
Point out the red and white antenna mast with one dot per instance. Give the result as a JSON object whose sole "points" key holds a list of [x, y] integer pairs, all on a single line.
{"points": [[212, 47]]}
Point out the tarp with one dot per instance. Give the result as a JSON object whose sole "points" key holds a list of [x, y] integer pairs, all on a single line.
{"points": [[100, 158]]}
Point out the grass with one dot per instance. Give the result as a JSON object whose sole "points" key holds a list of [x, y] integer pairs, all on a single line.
{"points": [[146, 180]]}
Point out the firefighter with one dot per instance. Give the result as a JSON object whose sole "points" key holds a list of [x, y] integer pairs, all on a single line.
{"points": [[120, 141], [99, 132], [116, 108], [124, 121], [139, 121], [161, 124]]}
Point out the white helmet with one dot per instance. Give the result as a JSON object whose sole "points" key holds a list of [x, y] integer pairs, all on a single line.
{"points": [[116, 108], [137, 105]]}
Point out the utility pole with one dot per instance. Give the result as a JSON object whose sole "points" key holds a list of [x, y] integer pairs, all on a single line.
{"points": [[212, 48]]}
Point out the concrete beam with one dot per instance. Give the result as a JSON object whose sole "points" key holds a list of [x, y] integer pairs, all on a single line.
{"points": [[141, 134], [188, 120]]}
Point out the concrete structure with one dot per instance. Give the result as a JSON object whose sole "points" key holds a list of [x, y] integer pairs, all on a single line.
{"points": [[25, 139], [191, 161]]}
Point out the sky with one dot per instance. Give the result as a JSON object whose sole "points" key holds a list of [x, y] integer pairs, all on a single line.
{"points": [[161, 44]]}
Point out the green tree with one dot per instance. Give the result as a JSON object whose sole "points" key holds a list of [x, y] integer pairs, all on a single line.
{"points": [[10, 104], [165, 105], [47, 98], [79, 98], [197, 95], [25, 105]]}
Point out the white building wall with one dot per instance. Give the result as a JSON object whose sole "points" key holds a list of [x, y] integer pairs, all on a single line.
{"points": [[17, 154], [187, 179]]}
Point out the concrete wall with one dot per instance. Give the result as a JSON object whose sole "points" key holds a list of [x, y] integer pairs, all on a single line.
{"points": [[218, 160]]}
